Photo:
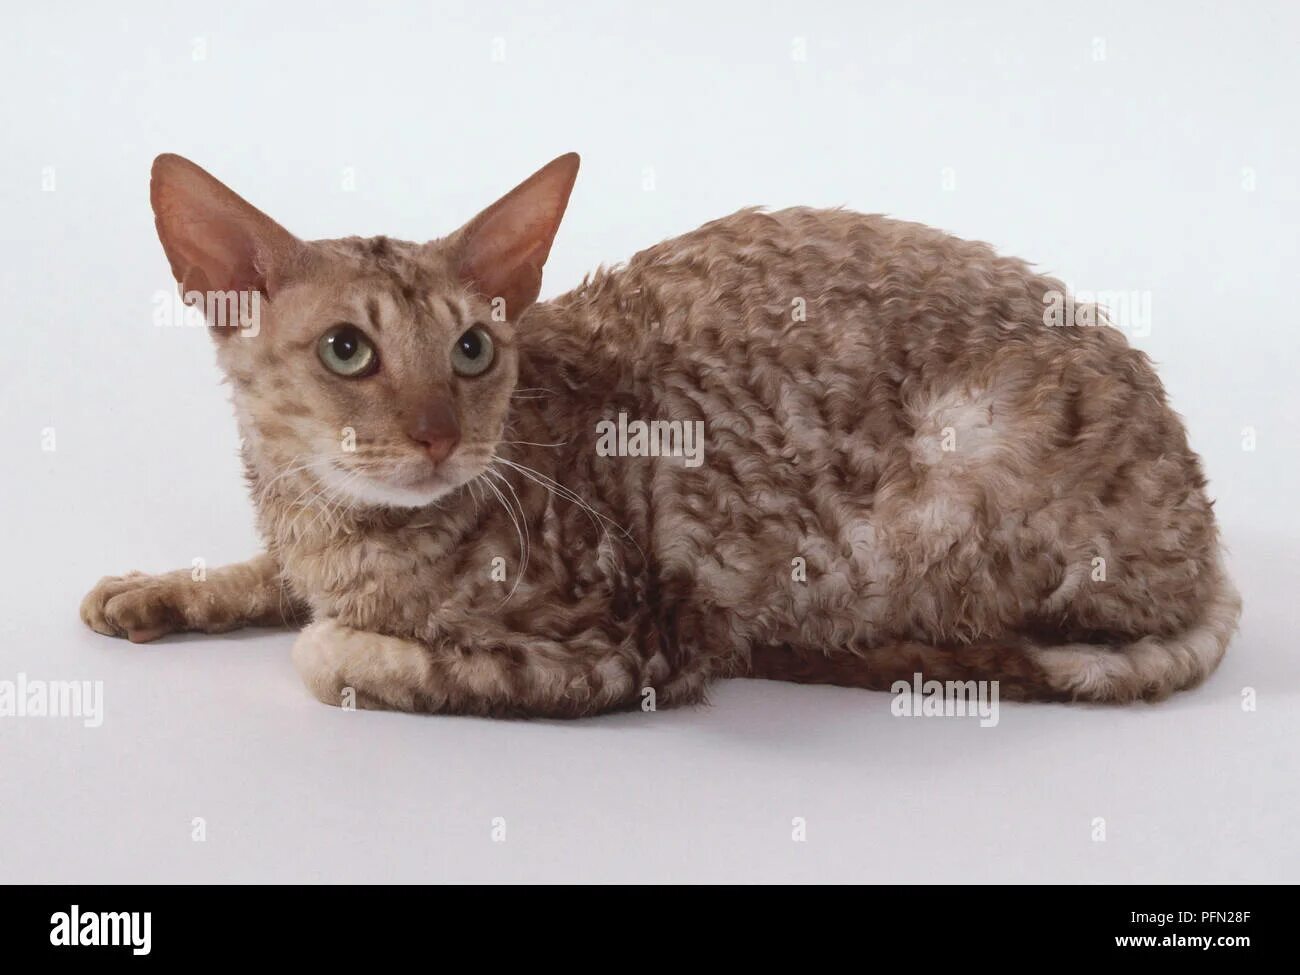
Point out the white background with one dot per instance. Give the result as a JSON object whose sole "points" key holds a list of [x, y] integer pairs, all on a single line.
{"points": [[1147, 148]]}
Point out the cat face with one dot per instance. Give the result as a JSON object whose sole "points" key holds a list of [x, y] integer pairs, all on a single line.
{"points": [[378, 371]]}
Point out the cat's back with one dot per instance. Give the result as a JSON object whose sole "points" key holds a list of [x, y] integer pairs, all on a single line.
{"points": [[754, 275]]}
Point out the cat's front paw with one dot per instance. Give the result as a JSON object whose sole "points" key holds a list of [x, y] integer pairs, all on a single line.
{"points": [[137, 606], [351, 669], [318, 656]]}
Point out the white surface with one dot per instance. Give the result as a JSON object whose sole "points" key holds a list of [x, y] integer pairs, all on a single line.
{"points": [[1124, 173]]}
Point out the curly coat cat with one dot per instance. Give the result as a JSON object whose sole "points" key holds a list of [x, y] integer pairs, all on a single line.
{"points": [[904, 468]]}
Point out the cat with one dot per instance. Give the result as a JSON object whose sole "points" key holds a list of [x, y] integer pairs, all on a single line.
{"points": [[905, 467]]}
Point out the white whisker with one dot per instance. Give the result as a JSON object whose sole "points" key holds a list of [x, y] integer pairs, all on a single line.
{"points": [[560, 491], [519, 531]]}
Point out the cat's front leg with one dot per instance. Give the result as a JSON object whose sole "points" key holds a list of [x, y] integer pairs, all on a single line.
{"points": [[504, 674], [143, 607]]}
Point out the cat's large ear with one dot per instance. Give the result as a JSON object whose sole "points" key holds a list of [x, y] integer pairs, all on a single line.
{"points": [[214, 239], [503, 249]]}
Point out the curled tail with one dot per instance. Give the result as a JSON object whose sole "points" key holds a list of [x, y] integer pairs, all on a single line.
{"points": [[1150, 668]]}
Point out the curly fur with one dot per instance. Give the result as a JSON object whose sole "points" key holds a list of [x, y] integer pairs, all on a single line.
{"points": [[905, 470]]}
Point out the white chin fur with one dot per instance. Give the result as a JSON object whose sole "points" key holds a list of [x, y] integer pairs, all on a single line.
{"points": [[369, 491]]}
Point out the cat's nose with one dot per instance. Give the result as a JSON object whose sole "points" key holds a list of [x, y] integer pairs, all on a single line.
{"points": [[435, 426]]}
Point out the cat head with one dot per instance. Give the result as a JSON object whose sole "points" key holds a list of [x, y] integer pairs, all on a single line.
{"points": [[378, 370]]}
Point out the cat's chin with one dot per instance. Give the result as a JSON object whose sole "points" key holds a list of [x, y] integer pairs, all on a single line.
{"points": [[383, 494]]}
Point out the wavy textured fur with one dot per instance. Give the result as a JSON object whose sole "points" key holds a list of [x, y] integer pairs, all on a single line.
{"points": [[905, 470]]}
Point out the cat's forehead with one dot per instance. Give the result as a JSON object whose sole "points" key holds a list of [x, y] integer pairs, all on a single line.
{"points": [[408, 266], [396, 278], [403, 294]]}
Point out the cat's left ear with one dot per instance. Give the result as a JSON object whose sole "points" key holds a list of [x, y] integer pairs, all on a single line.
{"points": [[503, 249]]}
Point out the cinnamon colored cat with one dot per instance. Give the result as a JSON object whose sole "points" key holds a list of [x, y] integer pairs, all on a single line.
{"points": [[905, 466]]}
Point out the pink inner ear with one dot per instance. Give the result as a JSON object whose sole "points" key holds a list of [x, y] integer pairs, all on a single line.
{"points": [[216, 261], [214, 240], [506, 246], [231, 256], [505, 261]]}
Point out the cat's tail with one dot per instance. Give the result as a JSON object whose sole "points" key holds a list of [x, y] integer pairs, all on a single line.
{"points": [[1150, 668]]}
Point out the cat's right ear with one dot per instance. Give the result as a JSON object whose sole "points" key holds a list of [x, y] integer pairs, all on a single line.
{"points": [[214, 239]]}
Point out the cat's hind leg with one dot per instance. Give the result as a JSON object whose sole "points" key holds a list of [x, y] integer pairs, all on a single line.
{"points": [[142, 607], [1030, 667]]}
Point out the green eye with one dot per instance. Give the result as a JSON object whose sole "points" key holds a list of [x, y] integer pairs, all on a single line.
{"points": [[472, 353], [347, 352]]}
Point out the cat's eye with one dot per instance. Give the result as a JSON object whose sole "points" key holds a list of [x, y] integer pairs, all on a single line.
{"points": [[473, 353], [347, 352]]}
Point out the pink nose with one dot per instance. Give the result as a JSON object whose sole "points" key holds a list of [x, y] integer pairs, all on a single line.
{"points": [[439, 448], [435, 426]]}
